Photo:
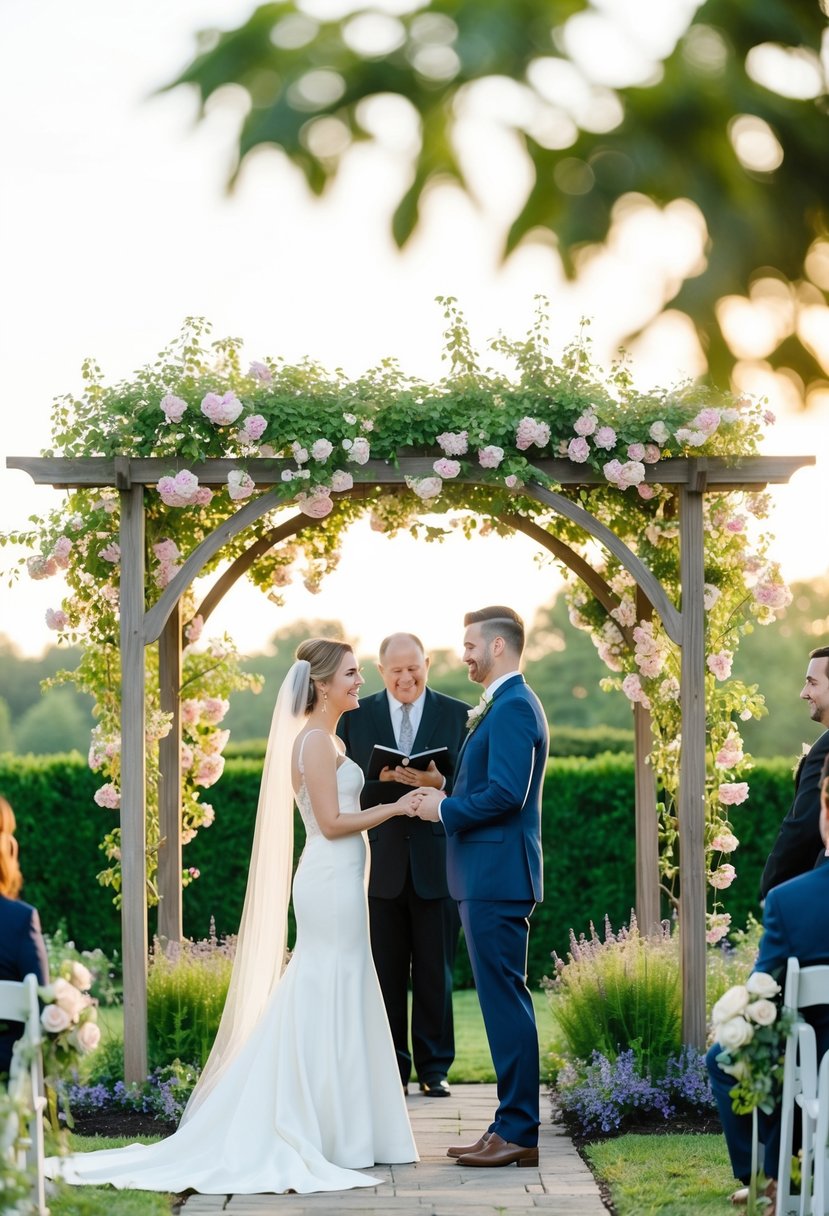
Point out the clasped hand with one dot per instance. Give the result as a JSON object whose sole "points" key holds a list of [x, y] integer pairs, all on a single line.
{"points": [[422, 803]]}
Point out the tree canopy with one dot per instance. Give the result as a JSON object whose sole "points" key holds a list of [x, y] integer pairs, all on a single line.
{"points": [[732, 119]]}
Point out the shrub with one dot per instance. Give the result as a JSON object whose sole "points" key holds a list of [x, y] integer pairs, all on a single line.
{"points": [[163, 1095], [623, 992], [186, 989]]}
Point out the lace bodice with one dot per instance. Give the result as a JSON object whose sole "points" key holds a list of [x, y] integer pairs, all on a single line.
{"points": [[349, 786]]}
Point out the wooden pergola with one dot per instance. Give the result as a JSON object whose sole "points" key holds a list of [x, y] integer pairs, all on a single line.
{"points": [[684, 624]]}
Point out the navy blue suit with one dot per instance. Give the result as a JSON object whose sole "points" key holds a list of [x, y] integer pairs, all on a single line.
{"points": [[21, 951], [795, 925], [494, 867]]}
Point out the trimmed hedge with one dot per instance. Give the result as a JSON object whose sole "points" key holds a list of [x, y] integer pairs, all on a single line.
{"points": [[589, 848]]}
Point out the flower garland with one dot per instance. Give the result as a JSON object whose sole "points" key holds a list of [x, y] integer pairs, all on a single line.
{"points": [[198, 402]]}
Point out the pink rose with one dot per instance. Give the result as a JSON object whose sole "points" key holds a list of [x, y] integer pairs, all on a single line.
{"points": [[636, 451], [585, 424], [428, 487], [209, 769], [605, 437], [53, 1019], [529, 432], [41, 567], [718, 925], [61, 551], [185, 757], [359, 451], [56, 618], [707, 420], [578, 450], [736, 524], [659, 433], [645, 491], [261, 372], [240, 485], [221, 410], [111, 553], [512, 482], [651, 453], [341, 481], [724, 842], [769, 417], [253, 428], [166, 550], [108, 796], [322, 449], [490, 456], [446, 468], [315, 506], [193, 630], [722, 877], [454, 443], [733, 793], [85, 1038], [173, 408], [613, 471], [213, 709], [181, 490], [720, 664], [190, 712]]}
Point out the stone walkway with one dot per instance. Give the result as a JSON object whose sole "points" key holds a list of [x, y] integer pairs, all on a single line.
{"points": [[436, 1186]]}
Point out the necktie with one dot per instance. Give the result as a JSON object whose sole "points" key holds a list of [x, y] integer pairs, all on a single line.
{"points": [[406, 733]]}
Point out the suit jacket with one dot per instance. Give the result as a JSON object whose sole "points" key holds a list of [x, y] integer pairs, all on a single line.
{"points": [[401, 844], [796, 924], [21, 951], [493, 816], [798, 846]]}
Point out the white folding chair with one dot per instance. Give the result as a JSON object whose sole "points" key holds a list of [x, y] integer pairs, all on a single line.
{"points": [[805, 987], [18, 1003]]}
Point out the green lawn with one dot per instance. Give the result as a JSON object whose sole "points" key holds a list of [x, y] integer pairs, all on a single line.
{"points": [[671, 1175], [103, 1201]]}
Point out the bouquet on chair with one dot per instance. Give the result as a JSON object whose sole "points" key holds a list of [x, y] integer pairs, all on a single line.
{"points": [[752, 1029], [70, 1030]]}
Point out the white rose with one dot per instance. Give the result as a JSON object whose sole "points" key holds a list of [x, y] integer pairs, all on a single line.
{"points": [[68, 998], [85, 1037], [762, 1012], [730, 1004], [760, 983], [54, 1019], [734, 1033], [79, 976]]}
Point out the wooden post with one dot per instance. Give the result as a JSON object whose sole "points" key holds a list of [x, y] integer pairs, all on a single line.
{"points": [[133, 785], [647, 823], [169, 784], [692, 768]]}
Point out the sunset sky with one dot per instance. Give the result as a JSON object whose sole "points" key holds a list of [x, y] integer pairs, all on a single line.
{"points": [[115, 225]]}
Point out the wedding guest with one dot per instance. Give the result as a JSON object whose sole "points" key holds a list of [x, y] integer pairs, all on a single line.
{"points": [[414, 921], [795, 925], [22, 950], [798, 846]]}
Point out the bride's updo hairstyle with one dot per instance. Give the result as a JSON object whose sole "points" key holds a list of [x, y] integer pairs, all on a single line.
{"points": [[324, 656], [11, 880]]}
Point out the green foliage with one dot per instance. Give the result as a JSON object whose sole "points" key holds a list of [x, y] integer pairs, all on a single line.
{"points": [[186, 989], [671, 1175], [57, 723], [620, 993], [670, 133], [587, 834]]}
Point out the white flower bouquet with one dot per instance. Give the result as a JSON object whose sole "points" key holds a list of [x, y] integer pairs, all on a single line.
{"points": [[751, 1029], [70, 1030]]}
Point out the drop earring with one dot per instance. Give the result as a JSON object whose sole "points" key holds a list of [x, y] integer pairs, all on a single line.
{"points": [[324, 701]]}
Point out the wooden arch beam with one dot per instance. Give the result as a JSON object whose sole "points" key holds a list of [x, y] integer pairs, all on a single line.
{"points": [[645, 578]]}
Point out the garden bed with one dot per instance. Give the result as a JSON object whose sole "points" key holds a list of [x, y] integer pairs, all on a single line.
{"points": [[117, 1121]]}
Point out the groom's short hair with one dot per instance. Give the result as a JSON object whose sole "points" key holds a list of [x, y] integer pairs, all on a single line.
{"points": [[499, 621]]}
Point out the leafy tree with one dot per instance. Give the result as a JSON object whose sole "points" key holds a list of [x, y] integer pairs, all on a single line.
{"points": [[5, 726], [732, 119], [55, 724]]}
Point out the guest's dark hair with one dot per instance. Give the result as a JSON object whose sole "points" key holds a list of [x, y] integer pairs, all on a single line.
{"points": [[324, 656], [497, 621]]}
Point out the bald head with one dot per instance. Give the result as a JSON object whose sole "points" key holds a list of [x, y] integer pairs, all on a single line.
{"points": [[403, 665]]}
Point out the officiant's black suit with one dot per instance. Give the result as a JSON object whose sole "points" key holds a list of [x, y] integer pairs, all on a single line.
{"points": [[414, 922]]}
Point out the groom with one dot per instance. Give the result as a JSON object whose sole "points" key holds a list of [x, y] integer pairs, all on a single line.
{"points": [[493, 860]]}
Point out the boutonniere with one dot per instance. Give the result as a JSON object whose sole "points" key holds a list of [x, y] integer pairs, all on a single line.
{"points": [[477, 713], [805, 748]]}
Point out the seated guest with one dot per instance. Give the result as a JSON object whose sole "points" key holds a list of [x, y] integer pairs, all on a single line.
{"points": [[795, 925], [22, 949]]}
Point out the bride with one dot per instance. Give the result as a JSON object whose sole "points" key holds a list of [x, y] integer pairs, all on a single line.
{"points": [[301, 1089]]}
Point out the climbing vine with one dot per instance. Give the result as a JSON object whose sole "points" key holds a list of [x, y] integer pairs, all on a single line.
{"points": [[198, 401]]}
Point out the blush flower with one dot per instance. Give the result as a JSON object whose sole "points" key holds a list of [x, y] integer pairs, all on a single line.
{"points": [[341, 481], [321, 449], [529, 432], [40, 566], [578, 450], [585, 424], [359, 451], [732, 793], [426, 487], [720, 664], [315, 506], [490, 456], [659, 433], [260, 371], [724, 842], [722, 878], [454, 443], [111, 553], [173, 408], [108, 795], [213, 709], [56, 618], [605, 437], [446, 468], [240, 485], [253, 428], [221, 410]]}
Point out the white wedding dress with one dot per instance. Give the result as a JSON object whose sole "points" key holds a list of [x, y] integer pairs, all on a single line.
{"points": [[314, 1095]]}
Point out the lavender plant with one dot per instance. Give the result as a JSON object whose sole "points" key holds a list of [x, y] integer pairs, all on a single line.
{"points": [[186, 989]]}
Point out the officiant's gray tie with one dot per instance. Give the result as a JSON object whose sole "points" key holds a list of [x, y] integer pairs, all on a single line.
{"points": [[406, 733]]}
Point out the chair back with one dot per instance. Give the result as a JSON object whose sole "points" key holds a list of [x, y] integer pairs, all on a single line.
{"points": [[19, 1003], [805, 986]]}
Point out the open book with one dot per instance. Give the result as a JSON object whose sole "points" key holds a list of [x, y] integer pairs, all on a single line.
{"points": [[389, 757]]}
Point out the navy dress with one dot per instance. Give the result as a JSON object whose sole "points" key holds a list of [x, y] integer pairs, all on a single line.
{"points": [[22, 951]]}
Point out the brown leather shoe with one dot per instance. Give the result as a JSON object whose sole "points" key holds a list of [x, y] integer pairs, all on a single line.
{"points": [[463, 1150], [497, 1152]]}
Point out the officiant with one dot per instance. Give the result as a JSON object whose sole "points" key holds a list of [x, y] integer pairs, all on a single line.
{"points": [[414, 922]]}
